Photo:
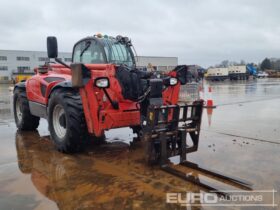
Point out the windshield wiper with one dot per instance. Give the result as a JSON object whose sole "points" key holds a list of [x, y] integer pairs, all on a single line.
{"points": [[86, 47]]}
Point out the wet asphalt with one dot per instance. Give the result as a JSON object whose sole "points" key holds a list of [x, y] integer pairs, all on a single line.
{"points": [[241, 138]]}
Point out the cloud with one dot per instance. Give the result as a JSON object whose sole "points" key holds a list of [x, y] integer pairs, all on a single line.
{"points": [[196, 31]]}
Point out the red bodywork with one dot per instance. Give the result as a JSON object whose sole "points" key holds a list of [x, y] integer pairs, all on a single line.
{"points": [[99, 113]]}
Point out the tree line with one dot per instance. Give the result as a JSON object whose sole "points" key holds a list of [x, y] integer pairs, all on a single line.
{"points": [[266, 64]]}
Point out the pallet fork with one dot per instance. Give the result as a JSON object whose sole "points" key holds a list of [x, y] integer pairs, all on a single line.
{"points": [[166, 133]]}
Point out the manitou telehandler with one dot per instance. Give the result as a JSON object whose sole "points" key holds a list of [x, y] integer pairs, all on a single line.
{"points": [[103, 89]]}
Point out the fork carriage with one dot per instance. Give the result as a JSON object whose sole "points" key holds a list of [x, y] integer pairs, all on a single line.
{"points": [[166, 131]]}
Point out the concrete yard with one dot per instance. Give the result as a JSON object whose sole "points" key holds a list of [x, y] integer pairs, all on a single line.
{"points": [[241, 138]]}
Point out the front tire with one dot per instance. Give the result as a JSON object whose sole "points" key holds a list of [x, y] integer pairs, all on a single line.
{"points": [[67, 122], [25, 121]]}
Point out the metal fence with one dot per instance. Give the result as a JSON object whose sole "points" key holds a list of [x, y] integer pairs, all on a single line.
{"points": [[189, 92]]}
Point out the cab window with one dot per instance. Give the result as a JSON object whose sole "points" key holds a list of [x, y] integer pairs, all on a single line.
{"points": [[88, 51]]}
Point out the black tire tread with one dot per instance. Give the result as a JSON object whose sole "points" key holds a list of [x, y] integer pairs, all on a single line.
{"points": [[77, 135], [29, 122]]}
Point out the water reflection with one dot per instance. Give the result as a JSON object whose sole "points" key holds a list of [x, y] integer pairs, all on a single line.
{"points": [[229, 92], [5, 107], [110, 176]]}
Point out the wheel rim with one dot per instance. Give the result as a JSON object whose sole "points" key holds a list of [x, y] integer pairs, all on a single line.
{"points": [[58, 119], [18, 110]]}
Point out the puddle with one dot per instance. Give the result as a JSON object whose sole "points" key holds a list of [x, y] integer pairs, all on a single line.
{"points": [[33, 175], [111, 176]]}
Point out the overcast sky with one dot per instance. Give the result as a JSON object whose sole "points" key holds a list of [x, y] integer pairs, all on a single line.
{"points": [[196, 31]]}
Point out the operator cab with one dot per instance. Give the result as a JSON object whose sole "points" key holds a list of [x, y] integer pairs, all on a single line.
{"points": [[100, 49]]}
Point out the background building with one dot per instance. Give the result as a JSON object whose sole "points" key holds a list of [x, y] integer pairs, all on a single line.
{"points": [[159, 63], [23, 61], [20, 61]]}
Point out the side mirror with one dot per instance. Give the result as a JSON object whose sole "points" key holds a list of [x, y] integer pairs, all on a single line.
{"points": [[52, 47]]}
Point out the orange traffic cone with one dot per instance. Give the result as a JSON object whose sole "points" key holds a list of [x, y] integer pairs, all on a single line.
{"points": [[209, 101], [209, 104]]}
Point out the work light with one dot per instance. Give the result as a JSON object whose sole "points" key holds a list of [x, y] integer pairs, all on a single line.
{"points": [[173, 81], [102, 82]]}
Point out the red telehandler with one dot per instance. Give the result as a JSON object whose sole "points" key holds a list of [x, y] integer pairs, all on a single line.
{"points": [[103, 89]]}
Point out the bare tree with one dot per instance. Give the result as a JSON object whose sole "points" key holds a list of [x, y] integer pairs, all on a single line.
{"points": [[242, 62], [225, 63]]}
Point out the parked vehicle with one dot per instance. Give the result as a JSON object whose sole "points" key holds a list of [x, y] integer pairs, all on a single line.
{"points": [[238, 73], [21, 76], [262, 74], [217, 74], [252, 70]]}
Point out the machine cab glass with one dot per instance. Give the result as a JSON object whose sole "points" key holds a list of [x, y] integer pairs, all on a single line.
{"points": [[103, 50], [88, 51]]}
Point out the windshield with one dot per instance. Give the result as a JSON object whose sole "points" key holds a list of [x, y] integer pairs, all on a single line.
{"points": [[88, 52], [117, 53]]}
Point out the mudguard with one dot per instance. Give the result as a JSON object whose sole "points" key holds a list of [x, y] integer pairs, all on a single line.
{"points": [[64, 84], [21, 85]]}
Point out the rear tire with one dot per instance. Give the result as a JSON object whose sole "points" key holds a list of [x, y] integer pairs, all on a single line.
{"points": [[24, 120], [67, 123]]}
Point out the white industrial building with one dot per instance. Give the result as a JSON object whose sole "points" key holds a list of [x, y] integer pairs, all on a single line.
{"points": [[25, 61], [159, 63]]}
